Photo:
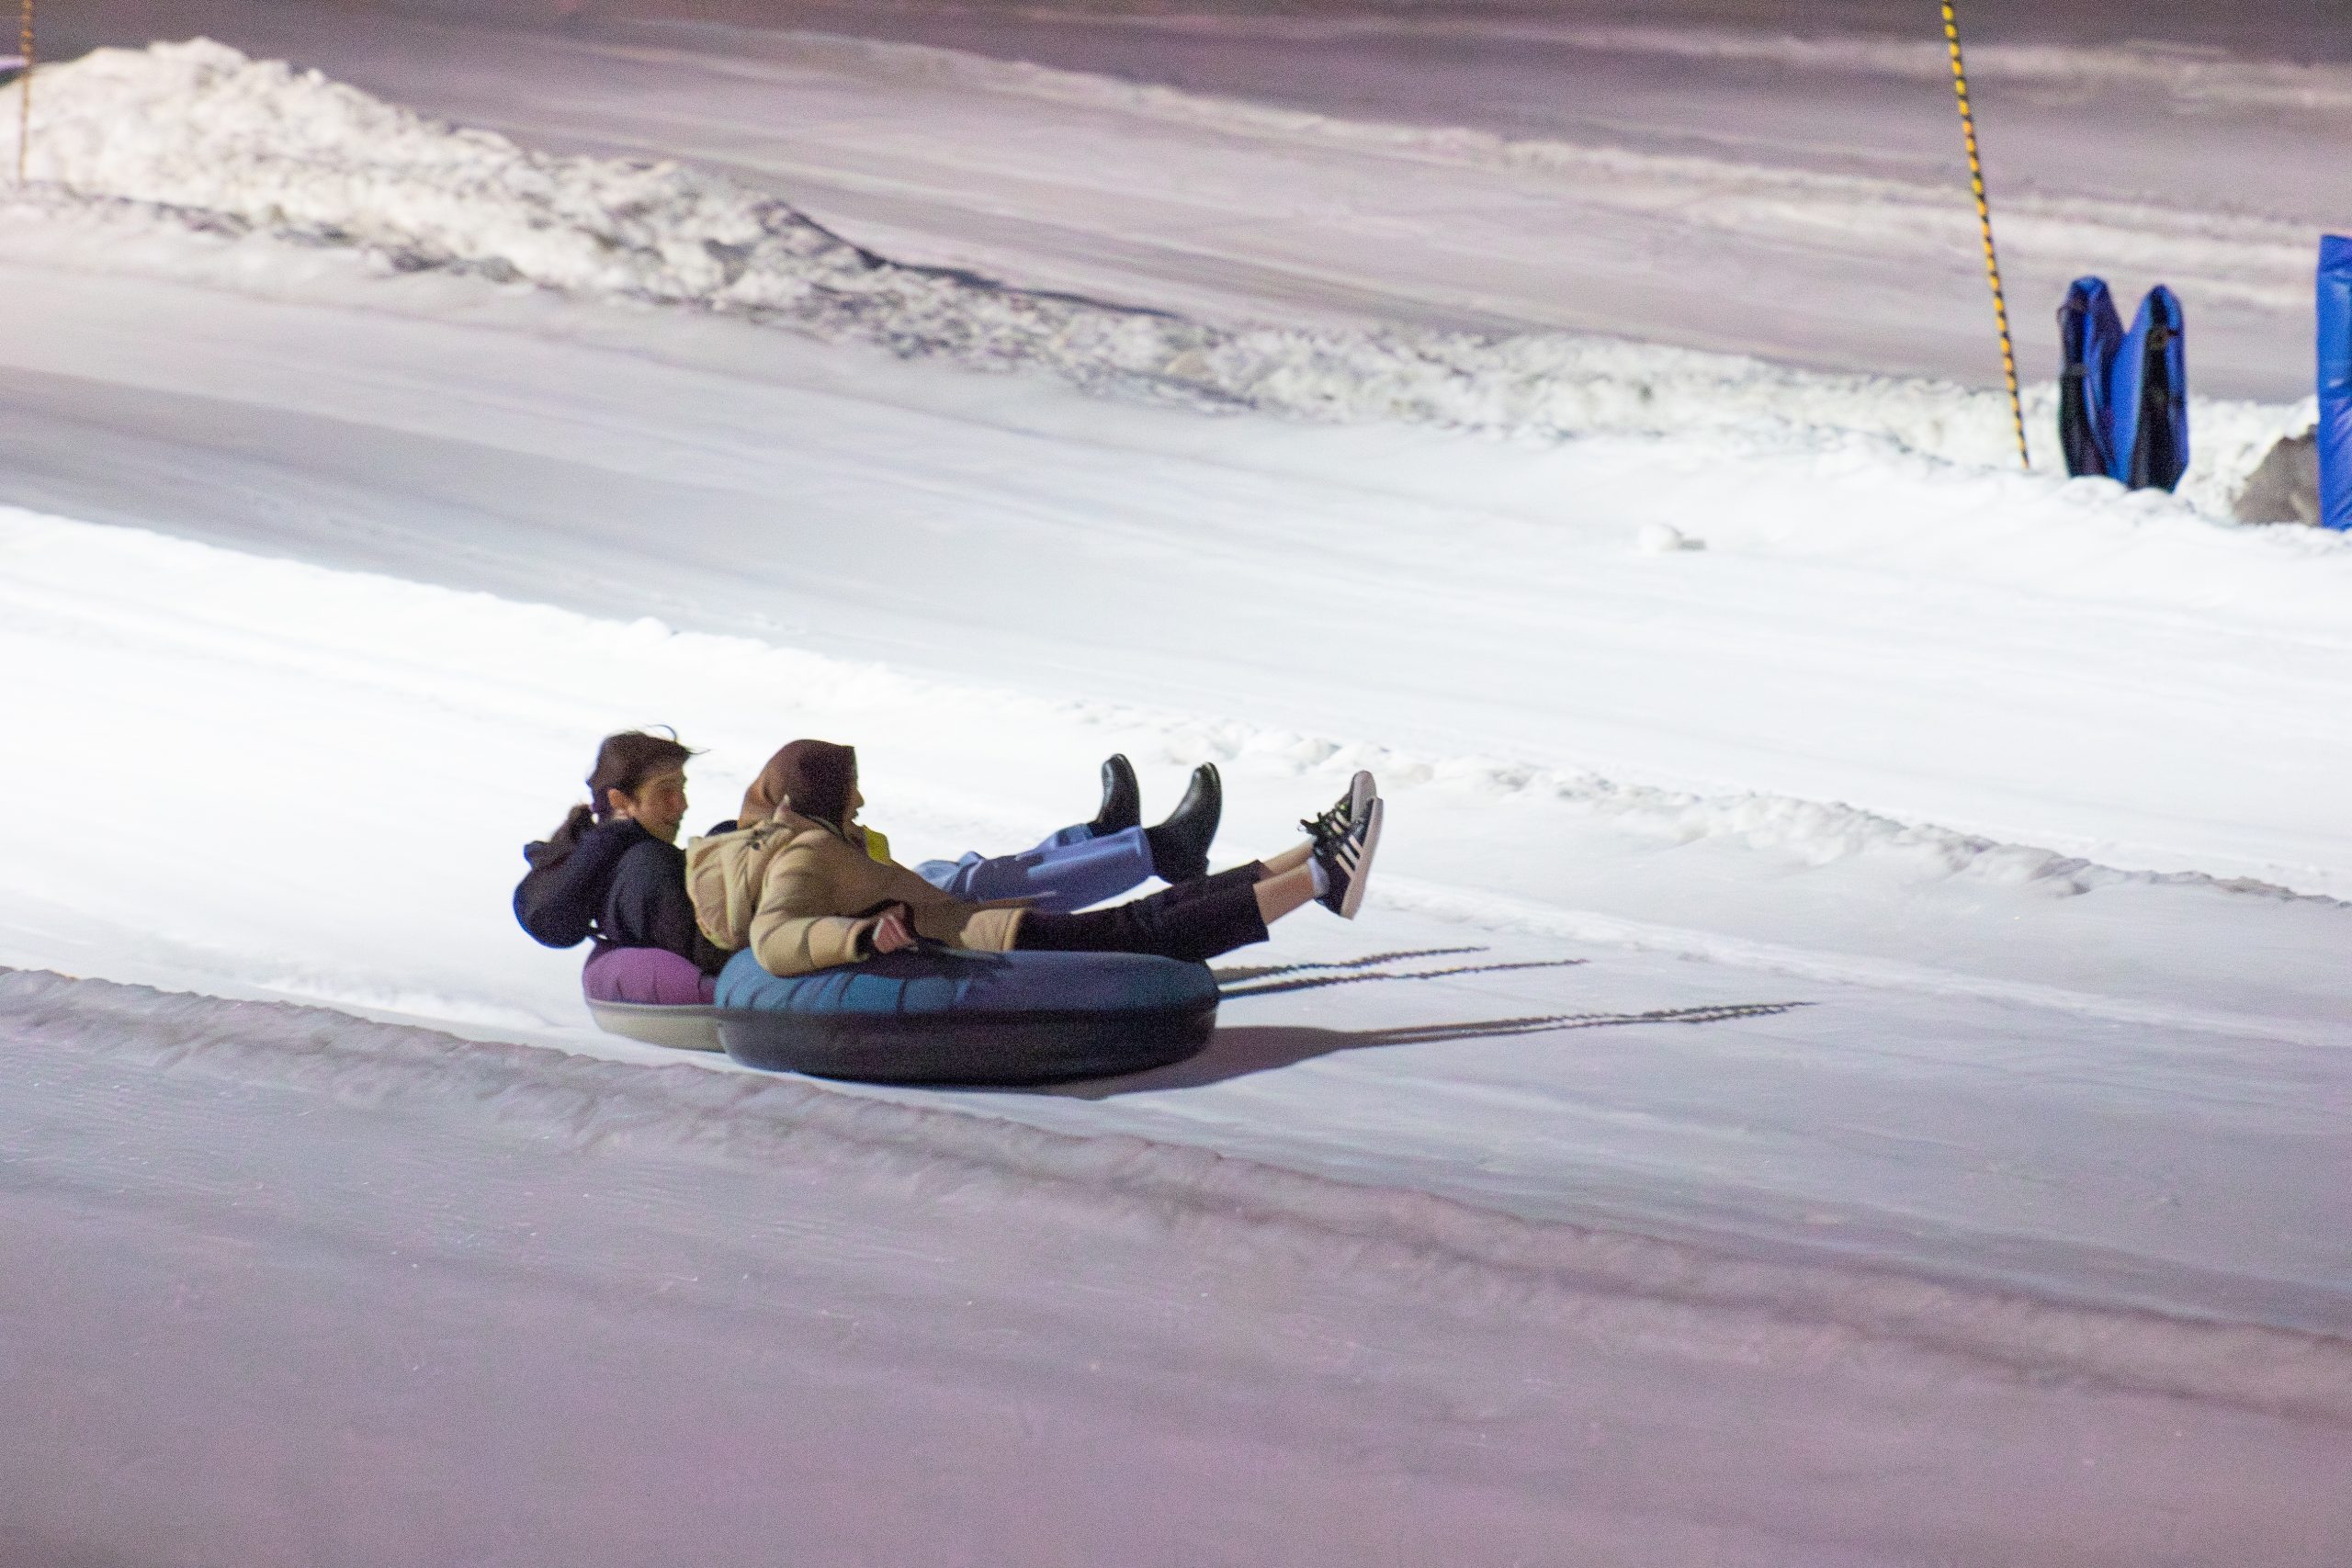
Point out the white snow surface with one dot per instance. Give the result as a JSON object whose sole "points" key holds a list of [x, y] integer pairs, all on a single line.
{"points": [[199, 127], [1791, 188], [538, 1308], [1843, 1063]]}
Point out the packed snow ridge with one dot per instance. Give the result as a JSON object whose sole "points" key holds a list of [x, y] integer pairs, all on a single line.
{"points": [[2199, 75], [2238, 257], [199, 133]]}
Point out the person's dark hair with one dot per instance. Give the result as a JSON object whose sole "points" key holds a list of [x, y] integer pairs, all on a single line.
{"points": [[816, 777], [624, 763]]}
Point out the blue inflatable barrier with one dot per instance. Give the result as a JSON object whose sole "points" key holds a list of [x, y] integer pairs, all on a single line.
{"points": [[942, 1015], [2122, 399], [2335, 381], [2089, 333]]}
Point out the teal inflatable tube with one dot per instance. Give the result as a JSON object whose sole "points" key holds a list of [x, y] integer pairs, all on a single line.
{"points": [[945, 1016]]}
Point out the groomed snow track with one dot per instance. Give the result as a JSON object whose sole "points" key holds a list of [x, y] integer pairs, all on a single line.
{"points": [[408, 1191]]}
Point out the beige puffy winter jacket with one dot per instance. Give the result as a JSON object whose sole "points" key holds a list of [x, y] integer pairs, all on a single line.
{"points": [[801, 896]]}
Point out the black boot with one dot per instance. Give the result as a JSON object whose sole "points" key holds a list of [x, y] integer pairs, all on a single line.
{"points": [[1122, 801], [1180, 846]]}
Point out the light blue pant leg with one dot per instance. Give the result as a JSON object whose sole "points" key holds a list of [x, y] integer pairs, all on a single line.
{"points": [[1068, 871]]}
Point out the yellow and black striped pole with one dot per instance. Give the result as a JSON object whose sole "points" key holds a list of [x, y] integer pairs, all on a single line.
{"points": [[24, 91], [1983, 222]]}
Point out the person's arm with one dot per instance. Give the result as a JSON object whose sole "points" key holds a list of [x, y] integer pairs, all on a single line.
{"points": [[558, 900], [798, 928]]}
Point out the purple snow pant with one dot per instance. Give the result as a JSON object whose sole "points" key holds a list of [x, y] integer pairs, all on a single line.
{"points": [[1068, 871]]}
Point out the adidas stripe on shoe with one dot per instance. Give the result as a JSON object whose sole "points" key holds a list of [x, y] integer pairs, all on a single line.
{"points": [[1346, 860], [1331, 824]]}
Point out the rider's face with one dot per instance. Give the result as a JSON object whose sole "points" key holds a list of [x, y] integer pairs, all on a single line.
{"points": [[658, 805]]}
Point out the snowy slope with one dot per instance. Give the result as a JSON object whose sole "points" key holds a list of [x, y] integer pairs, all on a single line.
{"points": [[1907, 1050], [226, 138], [1921, 641], [1902, 723], [1792, 187], [1873, 978]]}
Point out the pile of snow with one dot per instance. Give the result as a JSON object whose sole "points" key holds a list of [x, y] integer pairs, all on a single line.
{"points": [[199, 132]]}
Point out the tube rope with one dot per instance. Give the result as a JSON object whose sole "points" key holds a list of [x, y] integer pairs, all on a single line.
{"points": [[25, 92], [1984, 223]]}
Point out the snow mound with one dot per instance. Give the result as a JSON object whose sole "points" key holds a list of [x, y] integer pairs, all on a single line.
{"points": [[199, 133]]}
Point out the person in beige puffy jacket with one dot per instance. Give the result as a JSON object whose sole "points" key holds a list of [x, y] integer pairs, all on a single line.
{"points": [[797, 884]]}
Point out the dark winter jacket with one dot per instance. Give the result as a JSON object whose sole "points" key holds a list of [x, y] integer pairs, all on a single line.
{"points": [[620, 886]]}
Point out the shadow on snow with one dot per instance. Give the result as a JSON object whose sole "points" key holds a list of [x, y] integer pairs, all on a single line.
{"points": [[1239, 1052]]}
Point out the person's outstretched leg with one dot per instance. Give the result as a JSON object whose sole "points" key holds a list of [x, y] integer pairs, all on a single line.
{"points": [[1193, 921], [1213, 914], [1068, 871], [1086, 862]]}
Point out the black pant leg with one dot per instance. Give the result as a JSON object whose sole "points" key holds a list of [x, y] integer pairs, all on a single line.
{"points": [[1215, 882], [1190, 922]]}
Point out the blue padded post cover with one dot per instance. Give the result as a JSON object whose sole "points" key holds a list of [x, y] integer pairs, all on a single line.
{"points": [[2122, 397], [2088, 333], [2147, 397], [2335, 381]]}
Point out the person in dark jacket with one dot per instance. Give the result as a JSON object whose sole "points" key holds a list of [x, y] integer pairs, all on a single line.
{"points": [[613, 872]]}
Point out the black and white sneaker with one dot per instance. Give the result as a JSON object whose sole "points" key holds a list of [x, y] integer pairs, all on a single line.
{"points": [[1345, 812], [1346, 860]]}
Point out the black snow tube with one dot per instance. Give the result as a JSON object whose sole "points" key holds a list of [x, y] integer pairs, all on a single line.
{"points": [[945, 1016]]}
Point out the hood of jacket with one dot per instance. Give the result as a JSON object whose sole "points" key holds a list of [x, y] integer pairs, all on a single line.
{"points": [[558, 899]]}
